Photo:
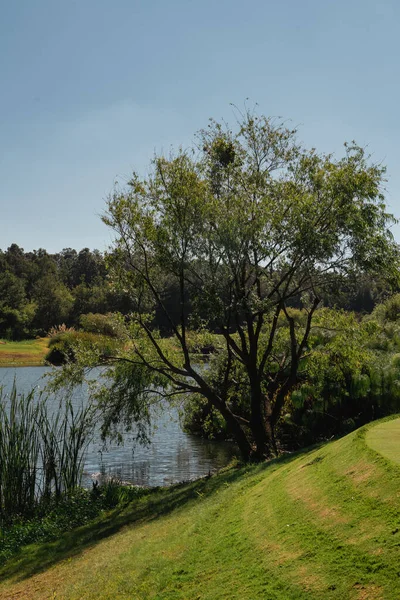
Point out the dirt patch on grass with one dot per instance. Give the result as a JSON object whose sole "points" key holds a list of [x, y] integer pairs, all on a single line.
{"points": [[19, 356], [298, 573], [368, 592], [38, 587], [278, 554], [300, 488], [361, 472], [309, 581]]}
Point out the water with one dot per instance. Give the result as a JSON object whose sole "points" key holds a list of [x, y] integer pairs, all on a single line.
{"points": [[172, 456]]}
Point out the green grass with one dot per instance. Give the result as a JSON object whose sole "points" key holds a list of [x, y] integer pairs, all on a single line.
{"points": [[28, 353], [324, 523], [385, 439]]}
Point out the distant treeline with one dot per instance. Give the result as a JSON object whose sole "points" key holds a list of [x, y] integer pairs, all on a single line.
{"points": [[39, 290]]}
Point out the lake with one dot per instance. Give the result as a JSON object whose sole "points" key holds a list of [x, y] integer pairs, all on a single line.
{"points": [[172, 456]]}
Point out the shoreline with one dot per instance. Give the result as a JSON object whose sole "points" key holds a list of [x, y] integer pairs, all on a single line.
{"points": [[26, 353]]}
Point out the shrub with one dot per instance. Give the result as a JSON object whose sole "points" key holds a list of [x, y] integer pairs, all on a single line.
{"points": [[56, 516], [108, 325], [64, 346], [56, 329]]}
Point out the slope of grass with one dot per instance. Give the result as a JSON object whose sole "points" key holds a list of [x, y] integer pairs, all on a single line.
{"points": [[28, 353], [324, 523]]}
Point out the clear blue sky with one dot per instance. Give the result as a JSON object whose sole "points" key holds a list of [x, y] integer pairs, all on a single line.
{"points": [[91, 88]]}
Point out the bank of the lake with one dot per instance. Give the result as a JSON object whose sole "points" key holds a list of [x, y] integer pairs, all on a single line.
{"points": [[171, 457], [323, 523], [27, 353]]}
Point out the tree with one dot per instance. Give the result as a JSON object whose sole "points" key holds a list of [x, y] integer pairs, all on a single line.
{"points": [[15, 312], [12, 292], [54, 302], [244, 227]]}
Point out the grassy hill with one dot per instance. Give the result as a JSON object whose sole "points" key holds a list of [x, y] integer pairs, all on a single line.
{"points": [[324, 523]]}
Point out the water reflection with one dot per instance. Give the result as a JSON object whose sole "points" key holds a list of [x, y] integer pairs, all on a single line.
{"points": [[172, 456]]}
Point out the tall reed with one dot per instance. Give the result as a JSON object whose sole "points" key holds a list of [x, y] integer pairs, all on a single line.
{"points": [[19, 453], [65, 436], [41, 450]]}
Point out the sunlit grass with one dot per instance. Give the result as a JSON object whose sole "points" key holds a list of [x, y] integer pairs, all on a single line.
{"points": [[25, 353], [324, 523], [385, 439]]}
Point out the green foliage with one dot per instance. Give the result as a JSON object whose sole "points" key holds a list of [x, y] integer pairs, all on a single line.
{"points": [[124, 401], [200, 418], [54, 302], [65, 346], [16, 312], [203, 342], [51, 519], [41, 451], [12, 292], [106, 325], [244, 231], [39, 291], [348, 376], [112, 493]]}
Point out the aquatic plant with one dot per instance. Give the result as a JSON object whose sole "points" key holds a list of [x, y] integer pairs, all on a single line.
{"points": [[41, 450]]}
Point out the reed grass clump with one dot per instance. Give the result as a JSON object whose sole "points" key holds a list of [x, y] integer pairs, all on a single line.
{"points": [[41, 451]]}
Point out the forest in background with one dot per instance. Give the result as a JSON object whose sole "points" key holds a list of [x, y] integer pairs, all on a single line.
{"points": [[352, 379], [39, 290]]}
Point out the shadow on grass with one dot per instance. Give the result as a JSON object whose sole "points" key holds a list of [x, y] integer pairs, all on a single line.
{"points": [[36, 558]]}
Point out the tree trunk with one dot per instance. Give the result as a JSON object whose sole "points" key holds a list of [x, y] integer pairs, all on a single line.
{"points": [[270, 429], [261, 434], [237, 432]]}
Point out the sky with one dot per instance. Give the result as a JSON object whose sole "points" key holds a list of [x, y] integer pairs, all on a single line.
{"points": [[90, 90]]}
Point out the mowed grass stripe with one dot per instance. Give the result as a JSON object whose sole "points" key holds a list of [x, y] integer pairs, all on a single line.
{"points": [[367, 472], [338, 500], [271, 526], [321, 527], [309, 555], [322, 524], [219, 561], [198, 552]]}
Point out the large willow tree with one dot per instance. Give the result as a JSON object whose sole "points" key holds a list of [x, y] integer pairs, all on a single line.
{"points": [[244, 225]]}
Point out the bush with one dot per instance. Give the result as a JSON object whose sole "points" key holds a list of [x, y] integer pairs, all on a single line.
{"points": [[56, 329], [63, 346], [201, 419], [108, 325]]}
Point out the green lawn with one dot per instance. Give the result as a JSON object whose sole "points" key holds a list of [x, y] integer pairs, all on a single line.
{"points": [[28, 353], [322, 524], [385, 439]]}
